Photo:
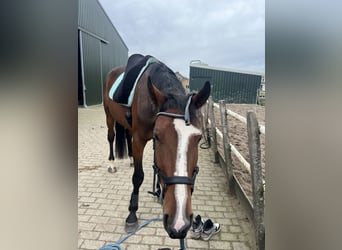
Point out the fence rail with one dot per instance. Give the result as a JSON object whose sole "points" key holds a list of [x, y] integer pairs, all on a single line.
{"points": [[254, 208], [240, 117]]}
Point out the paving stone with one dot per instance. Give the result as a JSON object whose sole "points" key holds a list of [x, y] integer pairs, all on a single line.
{"points": [[80, 241], [104, 201], [84, 217], [197, 244], [108, 206], [92, 244], [147, 239], [99, 219], [110, 237], [172, 243], [87, 199], [137, 247], [134, 239], [215, 244], [235, 229], [99, 195], [105, 228], [82, 210], [228, 236], [94, 190], [239, 246], [84, 194], [148, 231], [85, 225], [89, 235], [95, 211]]}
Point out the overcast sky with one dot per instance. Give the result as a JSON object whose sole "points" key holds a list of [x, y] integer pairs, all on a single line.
{"points": [[221, 33]]}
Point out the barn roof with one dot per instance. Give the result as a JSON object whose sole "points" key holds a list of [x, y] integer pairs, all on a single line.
{"points": [[206, 66]]}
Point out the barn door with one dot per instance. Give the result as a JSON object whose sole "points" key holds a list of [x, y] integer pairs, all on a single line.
{"points": [[92, 73]]}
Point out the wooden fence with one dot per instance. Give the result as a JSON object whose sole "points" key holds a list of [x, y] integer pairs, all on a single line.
{"points": [[254, 208]]}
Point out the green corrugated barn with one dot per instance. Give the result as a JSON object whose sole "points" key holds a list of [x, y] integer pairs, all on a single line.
{"points": [[233, 86], [101, 48]]}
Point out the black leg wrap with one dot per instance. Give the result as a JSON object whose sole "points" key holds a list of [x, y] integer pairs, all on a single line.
{"points": [[132, 220], [133, 204]]}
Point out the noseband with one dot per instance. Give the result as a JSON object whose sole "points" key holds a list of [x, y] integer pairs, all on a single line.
{"points": [[171, 180]]}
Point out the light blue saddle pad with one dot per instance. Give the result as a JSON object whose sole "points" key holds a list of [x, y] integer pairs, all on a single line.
{"points": [[115, 85], [119, 79]]}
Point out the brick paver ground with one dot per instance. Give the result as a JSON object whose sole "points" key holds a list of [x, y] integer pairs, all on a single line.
{"points": [[103, 197]]}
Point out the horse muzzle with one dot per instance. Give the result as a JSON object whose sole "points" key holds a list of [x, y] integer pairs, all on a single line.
{"points": [[174, 231]]}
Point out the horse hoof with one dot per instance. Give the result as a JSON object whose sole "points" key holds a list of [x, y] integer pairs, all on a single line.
{"points": [[130, 228], [131, 219], [131, 223], [112, 169]]}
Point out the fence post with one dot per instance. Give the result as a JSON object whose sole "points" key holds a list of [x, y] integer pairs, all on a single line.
{"points": [[205, 120], [257, 180], [226, 144], [213, 130]]}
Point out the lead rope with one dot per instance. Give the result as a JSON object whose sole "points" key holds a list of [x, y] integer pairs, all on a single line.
{"points": [[116, 246], [182, 244]]}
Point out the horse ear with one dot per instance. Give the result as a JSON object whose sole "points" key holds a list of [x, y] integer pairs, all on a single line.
{"points": [[202, 96], [157, 97]]}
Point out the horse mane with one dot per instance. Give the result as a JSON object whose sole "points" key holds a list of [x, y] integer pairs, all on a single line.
{"points": [[168, 83]]}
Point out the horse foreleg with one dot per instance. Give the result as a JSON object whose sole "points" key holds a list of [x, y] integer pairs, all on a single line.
{"points": [[137, 180]]}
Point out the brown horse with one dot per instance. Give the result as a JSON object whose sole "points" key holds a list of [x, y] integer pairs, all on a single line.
{"points": [[162, 110]]}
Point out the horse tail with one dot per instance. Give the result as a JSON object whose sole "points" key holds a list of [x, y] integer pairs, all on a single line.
{"points": [[120, 141]]}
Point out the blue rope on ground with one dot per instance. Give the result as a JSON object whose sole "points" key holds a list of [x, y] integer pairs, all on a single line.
{"points": [[182, 244], [116, 246]]}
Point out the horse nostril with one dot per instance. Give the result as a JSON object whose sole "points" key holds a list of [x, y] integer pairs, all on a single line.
{"points": [[177, 233]]}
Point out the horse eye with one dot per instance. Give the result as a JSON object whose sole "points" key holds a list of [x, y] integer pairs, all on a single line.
{"points": [[156, 137]]}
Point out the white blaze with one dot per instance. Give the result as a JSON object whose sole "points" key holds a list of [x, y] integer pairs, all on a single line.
{"points": [[184, 133]]}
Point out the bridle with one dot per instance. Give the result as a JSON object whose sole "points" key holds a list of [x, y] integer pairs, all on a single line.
{"points": [[171, 180], [185, 117]]}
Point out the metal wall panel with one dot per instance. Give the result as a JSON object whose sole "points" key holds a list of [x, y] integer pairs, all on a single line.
{"points": [[112, 56], [233, 87], [92, 18], [103, 49], [92, 69]]}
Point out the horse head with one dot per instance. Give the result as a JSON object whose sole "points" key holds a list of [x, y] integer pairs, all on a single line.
{"points": [[177, 132]]}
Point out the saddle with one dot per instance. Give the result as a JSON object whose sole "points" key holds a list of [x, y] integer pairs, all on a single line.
{"points": [[125, 84]]}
